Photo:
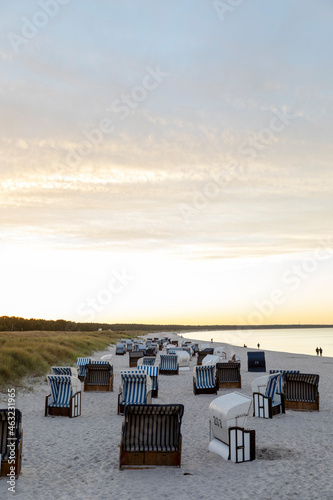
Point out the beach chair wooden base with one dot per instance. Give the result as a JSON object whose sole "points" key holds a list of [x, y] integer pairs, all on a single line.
{"points": [[74, 410], [302, 405], [169, 372], [98, 387], [148, 459], [209, 390], [230, 385], [263, 407], [6, 467]]}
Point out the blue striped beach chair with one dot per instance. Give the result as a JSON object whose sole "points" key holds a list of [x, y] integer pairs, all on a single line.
{"points": [[300, 391], [11, 442], [151, 436], [65, 397], [99, 376], [152, 371], [204, 379], [169, 364], [267, 400], [81, 367], [281, 379], [64, 370], [135, 388]]}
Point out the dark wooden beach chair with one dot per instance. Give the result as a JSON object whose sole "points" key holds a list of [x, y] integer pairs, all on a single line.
{"points": [[99, 377], [300, 391], [134, 356], [11, 442], [151, 436], [228, 375], [256, 361]]}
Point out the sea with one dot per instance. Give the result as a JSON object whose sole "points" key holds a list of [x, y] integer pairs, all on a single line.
{"points": [[293, 340]]}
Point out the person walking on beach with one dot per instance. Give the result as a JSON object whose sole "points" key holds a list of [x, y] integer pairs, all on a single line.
{"points": [[258, 345], [320, 351], [317, 351]]}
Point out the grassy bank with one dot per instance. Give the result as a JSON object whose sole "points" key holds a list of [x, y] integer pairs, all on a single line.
{"points": [[31, 354]]}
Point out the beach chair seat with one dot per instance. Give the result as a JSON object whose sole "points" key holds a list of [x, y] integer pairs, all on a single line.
{"points": [[135, 388], [81, 367], [99, 376], [11, 442], [228, 375], [151, 436], [64, 370], [300, 391], [267, 400], [65, 397], [152, 371], [147, 360], [169, 364], [204, 380], [228, 436], [281, 379], [256, 361]]}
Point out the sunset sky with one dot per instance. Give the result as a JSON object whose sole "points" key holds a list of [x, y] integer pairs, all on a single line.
{"points": [[167, 162]]}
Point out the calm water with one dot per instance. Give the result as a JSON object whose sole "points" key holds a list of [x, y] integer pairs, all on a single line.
{"points": [[296, 340]]}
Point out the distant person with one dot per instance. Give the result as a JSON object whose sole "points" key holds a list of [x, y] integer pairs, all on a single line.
{"points": [[317, 351], [320, 351], [258, 345]]}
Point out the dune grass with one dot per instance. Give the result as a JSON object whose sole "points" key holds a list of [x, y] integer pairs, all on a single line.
{"points": [[31, 354]]}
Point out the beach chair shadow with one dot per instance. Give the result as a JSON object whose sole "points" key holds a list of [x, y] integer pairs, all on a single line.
{"points": [[151, 436], [11, 442], [99, 377], [204, 380], [228, 375], [135, 388], [268, 399], [229, 438], [65, 397]]}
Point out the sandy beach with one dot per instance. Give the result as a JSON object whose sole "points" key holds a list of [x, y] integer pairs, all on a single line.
{"points": [[79, 458]]}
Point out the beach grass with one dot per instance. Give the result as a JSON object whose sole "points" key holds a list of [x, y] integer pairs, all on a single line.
{"points": [[31, 354]]}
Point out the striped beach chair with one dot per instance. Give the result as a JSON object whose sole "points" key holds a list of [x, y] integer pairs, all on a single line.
{"points": [[169, 364], [151, 436], [65, 397], [99, 376], [300, 391], [228, 375], [152, 371], [11, 441], [267, 400], [135, 388], [81, 367], [281, 379], [64, 370], [204, 380]]}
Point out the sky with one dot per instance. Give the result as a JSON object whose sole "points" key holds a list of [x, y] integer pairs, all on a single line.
{"points": [[166, 162]]}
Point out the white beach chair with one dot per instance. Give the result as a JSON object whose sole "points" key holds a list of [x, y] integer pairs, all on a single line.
{"points": [[267, 400], [227, 418]]}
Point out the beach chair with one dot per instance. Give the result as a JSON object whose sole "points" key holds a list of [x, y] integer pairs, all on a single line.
{"points": [[256, 361], [135, 388], [11, 442], [169, 364], [152, 371], [64, 370], [204, 380], [202, 353], [300, 391], [281, 379], [65, 397], [81, 367], [228, 436], [151, 436], [228, 375], [134, 357], [99, 377], [267, 398]]}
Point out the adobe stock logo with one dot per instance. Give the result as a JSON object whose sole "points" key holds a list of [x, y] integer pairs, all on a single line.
{"points": [[96, 304]]}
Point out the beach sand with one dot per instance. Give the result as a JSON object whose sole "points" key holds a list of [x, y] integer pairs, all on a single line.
{"points": [[79, 458]]}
